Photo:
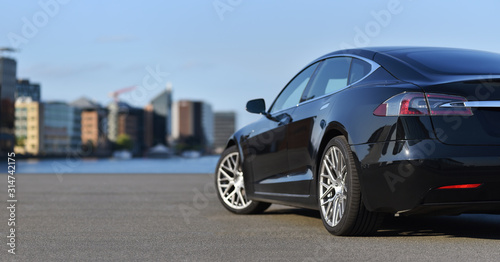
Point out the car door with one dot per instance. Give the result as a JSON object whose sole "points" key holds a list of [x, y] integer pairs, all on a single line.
{"points": [[311, 115], [267, 144]]}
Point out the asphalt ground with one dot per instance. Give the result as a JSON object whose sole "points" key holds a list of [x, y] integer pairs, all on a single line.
{"points": [[177, 217]]}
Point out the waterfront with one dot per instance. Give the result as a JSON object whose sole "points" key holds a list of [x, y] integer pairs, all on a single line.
{"points": [[205, 164]]}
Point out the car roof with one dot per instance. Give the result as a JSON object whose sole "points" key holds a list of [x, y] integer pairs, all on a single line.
{"points": [[394, 59], [369, 52]]}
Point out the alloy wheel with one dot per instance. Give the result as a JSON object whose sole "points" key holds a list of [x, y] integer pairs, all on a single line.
{"points": [[230, 182], [333, 188]]}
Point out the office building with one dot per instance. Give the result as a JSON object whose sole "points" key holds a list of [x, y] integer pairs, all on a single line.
{"points": [[8, 67], [148, 126], [28, 126], [61, 128], [94, 126], [193, 120], [162, 116], [124, 119], [24, 88], [224, 127]]}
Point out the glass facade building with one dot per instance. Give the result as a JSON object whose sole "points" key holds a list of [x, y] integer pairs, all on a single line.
{"points": [[193, 120], [8, 67], [24, 88], [61, 128], [162, 116]]}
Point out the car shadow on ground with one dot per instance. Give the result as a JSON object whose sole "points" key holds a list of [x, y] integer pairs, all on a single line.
{"points": [[286, 210], [467, 225]]}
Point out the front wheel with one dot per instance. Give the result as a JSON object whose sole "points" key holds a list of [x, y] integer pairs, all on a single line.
{"points": [[339, 193], [231, 187]]}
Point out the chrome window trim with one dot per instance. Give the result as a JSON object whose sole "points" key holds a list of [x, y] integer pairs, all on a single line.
{"points": [[276, 98], [483, 104], [280, 194], [374, 66]]}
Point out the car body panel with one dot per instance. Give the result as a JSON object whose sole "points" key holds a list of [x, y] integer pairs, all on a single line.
{"points": [[401, 160], [481, 128], [264, 145], [407, 174]]}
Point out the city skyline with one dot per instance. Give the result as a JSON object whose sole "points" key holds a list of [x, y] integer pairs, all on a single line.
{"points": [[212, 50], [51, 128]]}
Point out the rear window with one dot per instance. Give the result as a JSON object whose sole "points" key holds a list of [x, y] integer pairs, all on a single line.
{"points": [[359, 69], [450, 61]]}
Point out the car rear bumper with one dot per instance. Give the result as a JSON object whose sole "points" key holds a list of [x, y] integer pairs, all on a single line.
{"points": [[404, 177]]}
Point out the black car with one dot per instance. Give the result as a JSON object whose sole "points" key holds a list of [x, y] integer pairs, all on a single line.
{"points": [[359, 134]]}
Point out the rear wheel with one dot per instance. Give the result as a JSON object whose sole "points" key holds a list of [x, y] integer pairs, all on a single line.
{"points": [[231, 187], [339, 193]]}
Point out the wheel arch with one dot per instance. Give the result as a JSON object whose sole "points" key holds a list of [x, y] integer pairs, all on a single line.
{"points": [[231, 142], [334, 129]]}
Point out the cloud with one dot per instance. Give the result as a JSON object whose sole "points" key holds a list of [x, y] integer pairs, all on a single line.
{"points": [[116, 39]]}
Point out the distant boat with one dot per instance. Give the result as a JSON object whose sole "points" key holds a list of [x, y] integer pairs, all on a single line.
{"points": [[159, 151], [122, 154], [191, 154]]}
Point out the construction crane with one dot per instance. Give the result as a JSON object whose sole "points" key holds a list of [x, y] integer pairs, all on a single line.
{"points": [[114, 111], [116, 93]]}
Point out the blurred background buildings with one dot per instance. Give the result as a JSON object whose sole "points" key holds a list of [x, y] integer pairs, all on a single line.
{"points": [[33, 127], [8, 81], [224, 124], [193, 125]]}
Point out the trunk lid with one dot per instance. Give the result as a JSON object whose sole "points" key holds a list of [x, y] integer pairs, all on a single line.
{"points": [[482, 127]]}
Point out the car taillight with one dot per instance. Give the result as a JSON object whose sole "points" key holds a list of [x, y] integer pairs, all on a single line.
{"points": [[464, 186], [420, 104], [436, 100]]}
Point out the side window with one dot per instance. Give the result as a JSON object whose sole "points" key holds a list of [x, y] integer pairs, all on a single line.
{"points": [[359, 69], [331, 77], [291, 94]]}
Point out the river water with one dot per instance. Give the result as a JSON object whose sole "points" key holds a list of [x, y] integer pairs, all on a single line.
{"points": [[205, 164]]}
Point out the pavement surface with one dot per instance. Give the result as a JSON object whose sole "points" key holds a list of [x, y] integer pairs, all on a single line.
{"points": [[169, 217]]}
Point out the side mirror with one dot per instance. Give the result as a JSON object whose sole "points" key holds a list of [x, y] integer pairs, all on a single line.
{"points": [[256, 106]]}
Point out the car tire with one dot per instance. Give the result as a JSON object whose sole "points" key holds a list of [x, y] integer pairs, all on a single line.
{"points": [[230, 186], [339, 193]]}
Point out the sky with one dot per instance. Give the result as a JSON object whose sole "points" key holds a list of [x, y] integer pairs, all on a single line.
{"points": [[224, 52]]}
